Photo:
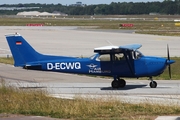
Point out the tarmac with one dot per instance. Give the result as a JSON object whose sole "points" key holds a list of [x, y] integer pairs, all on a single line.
{"points": [[71, 41]]}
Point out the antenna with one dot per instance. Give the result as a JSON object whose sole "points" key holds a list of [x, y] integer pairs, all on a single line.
{"points": [[109, 42]]}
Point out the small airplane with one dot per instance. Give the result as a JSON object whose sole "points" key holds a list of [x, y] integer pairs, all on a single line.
{"points": [[113, 61]]}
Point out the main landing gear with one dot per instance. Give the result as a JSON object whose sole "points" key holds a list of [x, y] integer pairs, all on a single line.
{"points": [[121, 83], [118, 83], [152, 84]]}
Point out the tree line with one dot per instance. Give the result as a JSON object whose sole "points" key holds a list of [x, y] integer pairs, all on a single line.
{"points": [[115, 8]]}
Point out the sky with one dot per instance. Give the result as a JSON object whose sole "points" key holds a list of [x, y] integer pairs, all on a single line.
{"points": [[68, 2]]}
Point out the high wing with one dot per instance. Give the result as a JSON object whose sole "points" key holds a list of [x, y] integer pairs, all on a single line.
{"points": [[108, 49]]}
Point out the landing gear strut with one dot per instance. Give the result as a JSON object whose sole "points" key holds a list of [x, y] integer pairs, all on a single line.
{"points": [[152, 84], [118, 83]]}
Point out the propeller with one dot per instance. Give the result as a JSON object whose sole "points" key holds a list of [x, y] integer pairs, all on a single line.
{"points": [[169, 66]]}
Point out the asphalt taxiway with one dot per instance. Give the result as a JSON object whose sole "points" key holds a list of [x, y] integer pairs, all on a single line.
{"points": [[72, 42]]}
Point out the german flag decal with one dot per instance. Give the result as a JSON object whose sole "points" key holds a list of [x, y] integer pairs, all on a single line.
{"points": [[18, 43]]}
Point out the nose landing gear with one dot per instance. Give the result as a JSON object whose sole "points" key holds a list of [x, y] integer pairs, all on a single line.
{"points": [[152, 84]]}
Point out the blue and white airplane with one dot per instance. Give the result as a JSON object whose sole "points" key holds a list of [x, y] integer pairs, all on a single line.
{"points": [[113, 61]]}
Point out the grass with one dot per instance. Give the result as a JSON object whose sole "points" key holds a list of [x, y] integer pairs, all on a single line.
{"points": [[6, 60], [36, 102]]}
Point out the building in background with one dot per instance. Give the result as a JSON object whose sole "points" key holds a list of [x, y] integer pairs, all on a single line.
{"points": [[78, 4]]}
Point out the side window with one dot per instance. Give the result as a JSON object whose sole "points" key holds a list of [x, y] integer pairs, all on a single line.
{"points": [[104, 57], [119, 57]]}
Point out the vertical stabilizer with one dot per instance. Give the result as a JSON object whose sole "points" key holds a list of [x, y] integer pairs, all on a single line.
{"points": [[22, 52]]}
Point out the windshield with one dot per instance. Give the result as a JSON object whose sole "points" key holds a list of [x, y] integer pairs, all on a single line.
{"points": [[137, 54]]}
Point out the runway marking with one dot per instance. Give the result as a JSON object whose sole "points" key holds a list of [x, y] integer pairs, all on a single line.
{"points": [[168, 118]]}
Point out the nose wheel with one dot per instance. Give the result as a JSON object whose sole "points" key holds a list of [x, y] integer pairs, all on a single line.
{"points": [[118, 83], [152, 84]]}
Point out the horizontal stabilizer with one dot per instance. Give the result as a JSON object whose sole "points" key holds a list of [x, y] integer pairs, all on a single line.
{"points": [[33, 66]]}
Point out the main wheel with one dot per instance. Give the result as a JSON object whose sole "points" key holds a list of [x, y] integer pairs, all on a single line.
{"points": [[122, 83], [153, 84], [115, 84]]}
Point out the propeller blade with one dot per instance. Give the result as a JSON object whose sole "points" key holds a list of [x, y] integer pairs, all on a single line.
{"points": [[169, 71], [169, 66]]}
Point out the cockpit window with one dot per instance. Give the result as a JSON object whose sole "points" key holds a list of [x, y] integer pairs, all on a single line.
{"points": [[119, 56], [104, 57]]}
